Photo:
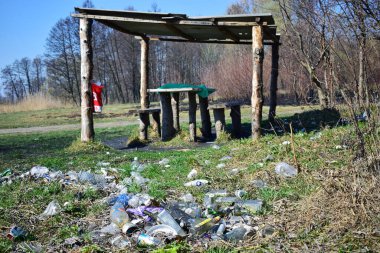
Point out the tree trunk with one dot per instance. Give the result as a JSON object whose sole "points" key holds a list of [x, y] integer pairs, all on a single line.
{"points": [[205, 117], [144, 99], [87, 124], [167, 130], [257, 80]]}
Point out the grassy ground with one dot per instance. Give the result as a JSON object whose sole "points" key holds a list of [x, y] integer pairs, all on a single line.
{"points": [[21, 202]]}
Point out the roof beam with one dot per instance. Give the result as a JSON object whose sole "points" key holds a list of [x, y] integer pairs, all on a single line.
{"points": [[242, 42], [178, 32], [120, 29], [228, 33]]}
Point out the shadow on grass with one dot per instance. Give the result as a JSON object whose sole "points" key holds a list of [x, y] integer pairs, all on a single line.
{"points": [[309, 121]]}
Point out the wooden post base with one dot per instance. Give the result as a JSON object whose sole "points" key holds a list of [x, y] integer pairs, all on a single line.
{"points": [[220, 121], [193, 116], [144, 124], [205, 118], [236, 121], [156, 124], [175, 108], [167, 130]]}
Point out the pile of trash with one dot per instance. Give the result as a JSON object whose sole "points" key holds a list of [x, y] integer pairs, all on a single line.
{"points": [[138, 220]]}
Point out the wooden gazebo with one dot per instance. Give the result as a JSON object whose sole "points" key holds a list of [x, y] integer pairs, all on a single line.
{"points": [[255, 29]]}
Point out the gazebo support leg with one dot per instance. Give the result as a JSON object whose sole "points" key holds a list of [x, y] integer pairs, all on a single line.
{"points": [[205, 117], [144, 124], [87, 122], [257, 80], [220, 121], [193, 116], [273, 83], [144, 97], [167, 129], [156, 123], [236, 121], [175, 108]]}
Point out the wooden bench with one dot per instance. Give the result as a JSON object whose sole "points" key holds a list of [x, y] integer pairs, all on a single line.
{"points": [[144, 121], [220, 119]]}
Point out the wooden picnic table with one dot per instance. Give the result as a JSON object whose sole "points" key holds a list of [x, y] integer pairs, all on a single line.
{"points": [[169, 101]]}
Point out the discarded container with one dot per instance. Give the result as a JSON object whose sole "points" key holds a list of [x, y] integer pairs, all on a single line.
{"points": [[188, 197], [6, 172], [140, 200], [118, 215], [285, 170], [162, 229], [111, 229], [236, 234], [240, 193], [138, 179], [121, 198], [205, 225], [164, 162], [225, 158], [220, 166], [129, 228], [258, 183], [120, 242], [193, 173], [17, 233], [147, 240], [199, 183], [52, 209], [221, 228], [166, 218], [136, 165], [215, 146], [217, 193], [268, 158], [226, 200], [39, 171], [253, 205]]}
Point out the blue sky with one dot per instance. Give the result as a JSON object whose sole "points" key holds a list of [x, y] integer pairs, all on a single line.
{"points": [[25, 24]]}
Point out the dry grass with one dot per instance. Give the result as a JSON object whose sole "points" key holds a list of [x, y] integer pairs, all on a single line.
{"points": [[39, 101]]}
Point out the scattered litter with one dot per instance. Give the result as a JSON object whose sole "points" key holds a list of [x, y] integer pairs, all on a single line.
{"points": [[339, 147], [164, 162], [253, 205], [187, 197], [225, 158], [285, 143], [105, 164], [52, 209], [120, 242], [111, 229], [285, 170], [147, 240], [199, 183], [316, 136], [240, 193], [236, 234], [39, 171], [220, 166], [207, 162], [215, 146], [268, 158], [193, 173], [136, 165], [258, 183], [6, 172], [31, 247], [17, 233], [267, 231]]}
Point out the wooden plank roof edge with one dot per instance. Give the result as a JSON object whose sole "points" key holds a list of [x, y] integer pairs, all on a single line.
{"points": [[124, 13]]}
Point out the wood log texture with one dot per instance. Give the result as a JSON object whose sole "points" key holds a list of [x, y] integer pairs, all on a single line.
{"points": [[175, 108], [144, 124], [220, 121], [192, 116], [167, 129], [257, 80], [144, 97], [205, 118], [236, 121], [273, 83], [87, 122]]}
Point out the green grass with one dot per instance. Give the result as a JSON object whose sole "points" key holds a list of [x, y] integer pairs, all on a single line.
{"points": [[22, 201]]}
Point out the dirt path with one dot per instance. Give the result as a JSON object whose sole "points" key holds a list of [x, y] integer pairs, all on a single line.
{"points": [[45, 129]]}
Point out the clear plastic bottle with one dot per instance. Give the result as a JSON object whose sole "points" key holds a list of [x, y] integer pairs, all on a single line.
{"points": [[118, 215]]}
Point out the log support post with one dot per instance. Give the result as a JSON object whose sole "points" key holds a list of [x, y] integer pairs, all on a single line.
{"points": [[236, 121], [156, 123], [175, 108], [144, 97], [167, 129], [87, 122], [257, 80], [273, 83], [144, 124], [192, 116], [220, 121], [205, 117]]}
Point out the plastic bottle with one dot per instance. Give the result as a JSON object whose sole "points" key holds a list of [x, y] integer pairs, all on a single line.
{"points": [[205, 225], [118, 215], [165, 218], [236, 234], [199, 183]]}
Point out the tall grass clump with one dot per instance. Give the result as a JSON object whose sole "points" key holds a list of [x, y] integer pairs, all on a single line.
{"points": [[35, 102]]}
